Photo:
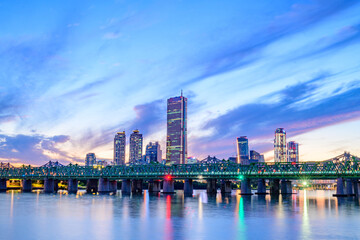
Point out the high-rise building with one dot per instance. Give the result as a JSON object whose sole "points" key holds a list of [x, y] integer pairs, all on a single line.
{"points": [[176, 140], [119, 148], [153, 153], [254, 156], [90, 159], [293, 151], [242, 150], [191, 160], [280, 145], [136, 145]]}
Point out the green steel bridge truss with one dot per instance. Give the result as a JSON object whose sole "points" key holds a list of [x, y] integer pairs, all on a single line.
{"points": [[346, 166]]}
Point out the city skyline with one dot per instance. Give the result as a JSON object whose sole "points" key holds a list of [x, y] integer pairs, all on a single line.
{"points": [[69, 83]]}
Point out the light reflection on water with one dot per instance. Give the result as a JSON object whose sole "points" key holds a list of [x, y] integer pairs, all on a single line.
{"points": [[305, 215]]}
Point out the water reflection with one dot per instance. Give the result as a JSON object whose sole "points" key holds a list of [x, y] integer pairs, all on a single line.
{"points": [[309, 214]]}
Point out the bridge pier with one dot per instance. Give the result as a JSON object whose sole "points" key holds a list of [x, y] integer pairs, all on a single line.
{"points": [[126, 186], [154, 186], [340, 188], [91, 186], [245, 187], [3, 186], [26, 185], [261, 187], [349, 187], [275, 187], [286, 187], [49, 185], [225, 186], [72, 186], [104, 186], [113, 186], [188, 187], [211, 186], [168, 186], [356, 185], [136, 186]]}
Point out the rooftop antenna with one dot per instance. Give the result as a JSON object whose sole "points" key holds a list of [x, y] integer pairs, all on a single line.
{"points": [[181, 92]]}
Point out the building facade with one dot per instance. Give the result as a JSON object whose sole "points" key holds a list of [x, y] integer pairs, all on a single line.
{"points": [[280, 145], [255, 157], [90, 159], [153, 153], [136, 146], [191, 160], [176, 140], [293, 151], [119, 148], [242, 144]]}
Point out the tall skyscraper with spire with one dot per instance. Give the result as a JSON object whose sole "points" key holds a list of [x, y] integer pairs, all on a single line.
{"points": [[119, 148], [176, 140], [280, 145], [136, 146]]}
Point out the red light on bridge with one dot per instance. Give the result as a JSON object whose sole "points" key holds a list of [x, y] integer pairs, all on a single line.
{"points": [[293, 163], [168, 177]]}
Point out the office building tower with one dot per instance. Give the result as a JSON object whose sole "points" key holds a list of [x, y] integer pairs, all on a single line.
{"points": [[232, 159], [242, 150], [153, 153], [119, 148], [90, 159], [293, 151], [176, 140], [280, 145], [254, 156], [261, 159], [136, 145]]}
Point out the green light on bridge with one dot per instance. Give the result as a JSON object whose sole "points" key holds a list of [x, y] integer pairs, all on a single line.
{"points": [[241, 177]]}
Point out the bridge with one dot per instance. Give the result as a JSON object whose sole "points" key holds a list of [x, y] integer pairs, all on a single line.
{"points": [[345, 168]]}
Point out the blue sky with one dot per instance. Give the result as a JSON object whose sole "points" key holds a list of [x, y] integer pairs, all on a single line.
{"points": [[74, 73]]}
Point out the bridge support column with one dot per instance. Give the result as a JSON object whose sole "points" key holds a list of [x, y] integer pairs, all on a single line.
{"points": [[349, 187], [188, 187], [168, 186], [261, 187], [72, 186], [136, 186], [104, 186], [154, 186], [225, 186], [56, 185], [3, 185], [49, 185], [126, 186], [113, 186], [26, 185], [286, 187], [211, 186], [340, 188], [91, 186], [275, 187], [356, 185], [245, 187]]}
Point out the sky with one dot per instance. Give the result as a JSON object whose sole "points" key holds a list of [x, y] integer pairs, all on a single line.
{"points": [[73, 73]]}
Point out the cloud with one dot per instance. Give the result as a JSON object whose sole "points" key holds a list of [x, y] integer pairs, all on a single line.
{"points": [[112, 35], [344, 37], [33, 149], [259, 120], [242, 52]]}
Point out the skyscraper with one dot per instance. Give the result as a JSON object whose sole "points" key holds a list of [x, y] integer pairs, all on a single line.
{"points": [[136, 144], [293, 151], [176, 140], [153, 153], [242, 150], [280, 145], [90, 159], [119, 148]]}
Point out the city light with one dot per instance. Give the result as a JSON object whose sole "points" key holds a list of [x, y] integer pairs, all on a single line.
{"points": [[304, 183], [241, 177], [168, 177]]}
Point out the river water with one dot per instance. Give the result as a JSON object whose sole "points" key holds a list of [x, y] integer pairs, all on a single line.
{"points": [[305, 215]]}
